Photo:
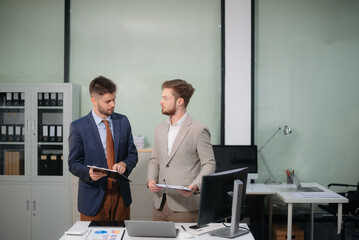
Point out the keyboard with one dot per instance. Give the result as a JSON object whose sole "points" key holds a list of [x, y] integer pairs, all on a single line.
{"points": [[207, 229], [78, 229]]}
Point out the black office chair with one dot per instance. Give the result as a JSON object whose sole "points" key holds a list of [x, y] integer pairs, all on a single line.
{"points": [[350, 210]]}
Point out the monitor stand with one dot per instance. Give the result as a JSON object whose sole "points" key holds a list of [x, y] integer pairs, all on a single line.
{"points": [[234, 230]]}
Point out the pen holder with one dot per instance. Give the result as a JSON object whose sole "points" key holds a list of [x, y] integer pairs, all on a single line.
{"points": [[289, 180]]}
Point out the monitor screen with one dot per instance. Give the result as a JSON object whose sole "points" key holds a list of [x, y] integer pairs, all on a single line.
{"points": [[237, 156], [216, 199]]}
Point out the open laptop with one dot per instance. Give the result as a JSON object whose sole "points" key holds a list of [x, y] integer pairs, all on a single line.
{"points": [[300, 188], [139, 228]]}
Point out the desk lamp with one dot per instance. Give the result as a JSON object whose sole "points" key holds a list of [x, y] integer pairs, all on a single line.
{"points": [[286, 131]]}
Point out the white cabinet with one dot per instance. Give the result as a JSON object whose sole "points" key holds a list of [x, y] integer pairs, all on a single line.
{"points": [[15, 200], [34, 180]]}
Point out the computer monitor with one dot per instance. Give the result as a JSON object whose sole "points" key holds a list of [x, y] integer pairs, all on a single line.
{"points": [[237, 156], [222, 196]]}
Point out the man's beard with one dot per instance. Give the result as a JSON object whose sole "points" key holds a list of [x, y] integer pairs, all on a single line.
{"points": [[104, 112], [169, 112]]}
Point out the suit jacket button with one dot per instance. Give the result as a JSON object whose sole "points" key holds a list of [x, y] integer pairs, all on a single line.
{"points": [[167, 166]]}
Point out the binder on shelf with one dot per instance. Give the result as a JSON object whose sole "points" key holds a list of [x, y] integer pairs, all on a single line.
{"points": [[40, 99], [43, 168], [60, 99], [46, 99], [22, 99], [53, 99], [58, 133], [53, 165], [10, 133], [18, 136], [3, 134], [8, 101], [15, 99], [45, 133], [52, 133]]}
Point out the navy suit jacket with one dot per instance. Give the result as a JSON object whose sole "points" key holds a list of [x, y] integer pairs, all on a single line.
{"points": [[85, 148]]}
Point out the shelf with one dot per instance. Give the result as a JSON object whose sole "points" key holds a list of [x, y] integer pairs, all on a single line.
{"points": [[12, 107], [50, 107], [12, 143], [50, 143]]}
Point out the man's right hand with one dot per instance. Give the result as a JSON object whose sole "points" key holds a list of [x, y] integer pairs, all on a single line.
{"points": [[151, 185], [96, 175]]}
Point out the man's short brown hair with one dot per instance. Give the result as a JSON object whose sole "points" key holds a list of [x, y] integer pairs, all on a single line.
{"points": [[181, 88], [101, 85]]}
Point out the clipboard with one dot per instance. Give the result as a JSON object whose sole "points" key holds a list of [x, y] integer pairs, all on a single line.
{"points": [[173, 187], [110, 173]]}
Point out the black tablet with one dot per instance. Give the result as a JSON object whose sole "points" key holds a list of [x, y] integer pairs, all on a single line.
{"points": [[107, 224]]}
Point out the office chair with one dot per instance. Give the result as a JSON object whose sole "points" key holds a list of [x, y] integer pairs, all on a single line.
{"points": [[350, 210]]}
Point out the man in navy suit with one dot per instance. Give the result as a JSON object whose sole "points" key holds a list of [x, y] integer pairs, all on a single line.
{"points": [[100, 197]]}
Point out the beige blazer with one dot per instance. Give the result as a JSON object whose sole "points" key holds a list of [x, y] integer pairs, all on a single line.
{"points": [[191, 157]]}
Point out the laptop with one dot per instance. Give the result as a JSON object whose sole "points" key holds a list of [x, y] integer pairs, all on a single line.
{"points": [[299, 186], [139, 228]]}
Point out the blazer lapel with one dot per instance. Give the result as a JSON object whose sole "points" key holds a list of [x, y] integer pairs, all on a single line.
{"points": [[94, 134], [180, 136], [116, 133]]}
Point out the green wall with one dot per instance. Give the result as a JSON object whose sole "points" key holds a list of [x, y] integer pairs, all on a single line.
{"points": [[306, 68], [140, 44]]}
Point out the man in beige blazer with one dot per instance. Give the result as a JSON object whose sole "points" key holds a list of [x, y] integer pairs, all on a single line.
{"points": [[182, 154]]}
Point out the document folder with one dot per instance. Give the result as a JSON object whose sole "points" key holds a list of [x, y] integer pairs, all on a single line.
{"points": [[40, 101], [53, 99], [15, 99], [10, 133], [110, 173], [52, 130], [46, 100], [8, 100], [59, 133], [3, 135], [60, 100], [17, 133], [45, 134]]}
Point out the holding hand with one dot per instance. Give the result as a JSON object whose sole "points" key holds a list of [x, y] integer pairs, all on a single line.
{"points": [[194, 188], [96, 175], [151, 185]]}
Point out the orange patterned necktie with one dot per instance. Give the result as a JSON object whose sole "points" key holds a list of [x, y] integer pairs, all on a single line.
{"points": [[109, 149]]}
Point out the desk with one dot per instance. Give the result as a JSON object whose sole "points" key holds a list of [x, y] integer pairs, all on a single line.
{"points": [[290, 197], [248, 236], [261, 189]]}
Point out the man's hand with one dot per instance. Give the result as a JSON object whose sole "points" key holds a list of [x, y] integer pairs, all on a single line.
{"points": [[151, 185], [194, 188], [120, 167], [96, 175]]}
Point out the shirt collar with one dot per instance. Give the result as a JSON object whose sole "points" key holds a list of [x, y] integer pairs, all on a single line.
{"points": [[179, 122], [98, 120]]}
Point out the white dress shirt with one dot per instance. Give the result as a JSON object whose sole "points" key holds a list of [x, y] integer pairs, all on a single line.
{"points": [[173, 131]]}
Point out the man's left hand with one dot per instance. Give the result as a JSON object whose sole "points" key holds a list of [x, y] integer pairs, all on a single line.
{"points": [[120, 167], [194, 188]]}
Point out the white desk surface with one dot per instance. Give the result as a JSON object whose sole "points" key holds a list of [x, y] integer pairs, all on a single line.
{"points": [[327, 196], [259, 189], [248, 236]]}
